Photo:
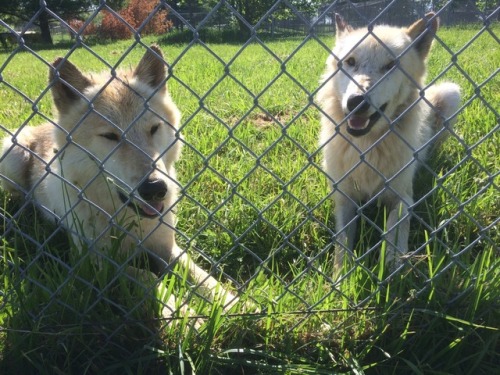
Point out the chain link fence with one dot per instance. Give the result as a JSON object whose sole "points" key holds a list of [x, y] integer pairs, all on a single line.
{"points": [[254, 208]]}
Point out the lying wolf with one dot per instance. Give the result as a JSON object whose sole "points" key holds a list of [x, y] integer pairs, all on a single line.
{"points": [[378, 121], [106, 165]]}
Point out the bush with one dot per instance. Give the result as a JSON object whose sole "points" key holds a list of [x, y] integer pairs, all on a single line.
{"points": [[120, 25], [78, 26], [112, 27], [138, 11]]}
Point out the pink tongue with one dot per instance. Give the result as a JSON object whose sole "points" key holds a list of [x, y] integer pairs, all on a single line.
{"points": [[358, 122], [152, 208]]}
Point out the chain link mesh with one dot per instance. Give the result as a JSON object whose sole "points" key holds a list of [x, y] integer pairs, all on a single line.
{"points": [[254, 203]]}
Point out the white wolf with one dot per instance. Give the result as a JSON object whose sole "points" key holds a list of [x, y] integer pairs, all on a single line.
{"points": [[378, 120], [106, 165]]}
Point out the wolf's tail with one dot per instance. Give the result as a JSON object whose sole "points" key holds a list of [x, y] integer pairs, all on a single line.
{"points": [[444, 101]]}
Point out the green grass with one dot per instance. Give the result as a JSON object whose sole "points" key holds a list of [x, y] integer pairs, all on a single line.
{"points": [[255, 200]]}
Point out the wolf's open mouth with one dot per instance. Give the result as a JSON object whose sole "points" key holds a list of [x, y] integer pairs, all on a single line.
{"points": [[360, 125], [149, 209]]}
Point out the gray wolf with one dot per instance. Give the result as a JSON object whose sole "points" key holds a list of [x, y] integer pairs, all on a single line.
{"points": [[105, 167], [379, 120]]}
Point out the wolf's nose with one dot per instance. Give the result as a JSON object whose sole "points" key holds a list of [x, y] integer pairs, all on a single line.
{"points": [[357, 103], [153, 190]]}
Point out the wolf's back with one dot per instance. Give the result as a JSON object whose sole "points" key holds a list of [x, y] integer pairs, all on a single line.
{"points": [[24, 158]]}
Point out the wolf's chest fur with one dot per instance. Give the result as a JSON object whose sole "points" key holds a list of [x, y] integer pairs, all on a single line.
{"points": [[364, 169]]}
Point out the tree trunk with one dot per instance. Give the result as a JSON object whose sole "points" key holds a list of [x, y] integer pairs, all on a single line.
{"points": [[45, 29], [244, 30], [241, 7]]}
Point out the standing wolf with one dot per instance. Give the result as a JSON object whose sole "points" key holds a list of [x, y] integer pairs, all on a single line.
{"points": [[106, 166], [378, 121]]}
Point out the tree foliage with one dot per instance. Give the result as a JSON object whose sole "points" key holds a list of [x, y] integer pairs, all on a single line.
{"points": [[252, 11], [140, 16], [482, 5], [26, 11]]}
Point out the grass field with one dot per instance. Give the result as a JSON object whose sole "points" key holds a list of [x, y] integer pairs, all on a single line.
{"points": [[256, 204]]}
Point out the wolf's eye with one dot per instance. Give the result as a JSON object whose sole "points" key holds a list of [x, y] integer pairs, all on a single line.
{"points": [[351, 61], [390, 65], [111, 136], [154, 129]]}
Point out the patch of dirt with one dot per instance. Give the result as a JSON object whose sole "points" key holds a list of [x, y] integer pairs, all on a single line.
{"points": [[265, 120]]}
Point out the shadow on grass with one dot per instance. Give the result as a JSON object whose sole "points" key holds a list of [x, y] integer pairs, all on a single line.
{"points": [[223, 36], [59, 310]]}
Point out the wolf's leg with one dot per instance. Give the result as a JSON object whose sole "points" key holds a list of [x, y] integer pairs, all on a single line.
{"points": [[208, 284], [398, 229], [345, 227], [170, 307]]}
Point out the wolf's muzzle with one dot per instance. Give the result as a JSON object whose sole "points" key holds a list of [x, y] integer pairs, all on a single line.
{"points": [[152, 193], [357, 103], [153, 190], [359, 122]]}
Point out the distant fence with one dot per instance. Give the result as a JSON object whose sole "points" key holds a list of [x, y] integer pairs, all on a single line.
{"points": [[321, 20]]}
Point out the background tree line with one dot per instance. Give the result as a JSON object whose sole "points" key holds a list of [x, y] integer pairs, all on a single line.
{"points": [[14, 12]]}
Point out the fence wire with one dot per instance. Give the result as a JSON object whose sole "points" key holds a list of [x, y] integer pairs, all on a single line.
{"points": [[254, 208]]}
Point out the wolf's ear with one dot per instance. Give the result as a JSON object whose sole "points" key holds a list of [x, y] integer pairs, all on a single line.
{"points": [[423, 32], [341, 25], [69, 83], [151, 69]]}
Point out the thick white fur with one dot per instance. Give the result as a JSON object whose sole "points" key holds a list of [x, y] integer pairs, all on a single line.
{"points": [[381, 164], [74, 172]]}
